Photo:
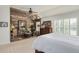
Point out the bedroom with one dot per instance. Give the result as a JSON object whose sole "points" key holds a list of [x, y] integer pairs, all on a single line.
{"points": [[60, 21]]}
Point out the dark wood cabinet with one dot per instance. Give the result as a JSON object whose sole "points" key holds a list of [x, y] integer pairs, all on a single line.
{"points": [[45, 30]]}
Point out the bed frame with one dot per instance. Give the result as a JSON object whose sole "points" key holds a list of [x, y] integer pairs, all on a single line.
{"points": [[37, 51]]}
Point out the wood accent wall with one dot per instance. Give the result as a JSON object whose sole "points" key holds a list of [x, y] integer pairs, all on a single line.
{"points": [[18, 12]]}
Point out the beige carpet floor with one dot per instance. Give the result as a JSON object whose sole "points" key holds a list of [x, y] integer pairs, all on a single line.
{"points": [[22, 46]]}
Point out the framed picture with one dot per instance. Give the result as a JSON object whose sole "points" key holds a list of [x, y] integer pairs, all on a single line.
{"points": [[3, 24]]}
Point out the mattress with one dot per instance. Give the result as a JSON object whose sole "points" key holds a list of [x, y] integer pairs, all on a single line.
{"points": [[57, 43]]}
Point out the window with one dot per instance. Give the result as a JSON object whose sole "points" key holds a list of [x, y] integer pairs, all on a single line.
{"points": [[61, 26], [56, 25], [73, 26], [66, 26]]}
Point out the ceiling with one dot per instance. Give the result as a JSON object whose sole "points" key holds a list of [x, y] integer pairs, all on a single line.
{"points": [[47, 10], [37, 8]]}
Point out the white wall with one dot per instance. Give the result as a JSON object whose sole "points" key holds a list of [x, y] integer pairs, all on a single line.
{"points": [[5, 31]]}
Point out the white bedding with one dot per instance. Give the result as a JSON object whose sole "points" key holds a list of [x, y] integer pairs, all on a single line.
{"points": [[57, 43]]}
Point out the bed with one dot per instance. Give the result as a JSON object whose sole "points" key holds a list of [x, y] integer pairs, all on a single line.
{"points": [[56, 43]]}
